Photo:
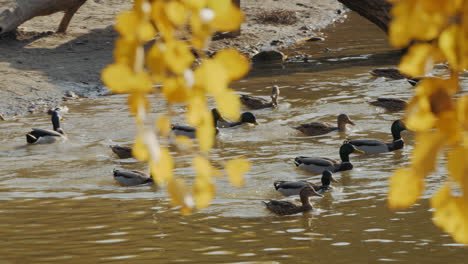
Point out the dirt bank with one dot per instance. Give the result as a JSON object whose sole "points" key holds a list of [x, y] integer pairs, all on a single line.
{"points": [[37, 66]]}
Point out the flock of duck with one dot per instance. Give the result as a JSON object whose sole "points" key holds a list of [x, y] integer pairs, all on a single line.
{"points": [[317, 165]]}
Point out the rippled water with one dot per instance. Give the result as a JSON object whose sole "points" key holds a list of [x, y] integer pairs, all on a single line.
{"points": [[59, 203]]}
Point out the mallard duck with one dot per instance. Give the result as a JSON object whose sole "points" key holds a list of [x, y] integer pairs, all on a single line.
{"points": [[246, 118], [189, 131], [390, 104], [391, 73], [131, 178], [414, 81], [288, 208], [259, 103], [294, 187], [318, 165], [374, 146], [45, 136], [315, 128], [122, 152]]}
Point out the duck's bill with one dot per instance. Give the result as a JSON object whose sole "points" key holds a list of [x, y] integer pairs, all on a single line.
{"points": [[255, 123], [359, 151], [351, 123], [334, 180]]}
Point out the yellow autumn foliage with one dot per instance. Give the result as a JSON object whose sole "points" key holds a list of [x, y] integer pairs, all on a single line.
{"points": [[179, 31], [437, 32]]}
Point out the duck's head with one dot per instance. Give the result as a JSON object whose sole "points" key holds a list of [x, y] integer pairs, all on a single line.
{"points": [[327, 178], [398, 125], [248, 117], [56, 120], [274, 94], [344, 119], [347, 148]]}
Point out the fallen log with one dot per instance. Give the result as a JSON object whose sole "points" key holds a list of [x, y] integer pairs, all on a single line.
{"points": [[376, 11], [15, 12]]}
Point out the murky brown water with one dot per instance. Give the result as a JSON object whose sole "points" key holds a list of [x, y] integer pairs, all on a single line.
{"points": [[60, 204]]}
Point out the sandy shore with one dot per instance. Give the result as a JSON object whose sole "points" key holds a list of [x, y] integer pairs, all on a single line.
{"points": [[38, 66]]}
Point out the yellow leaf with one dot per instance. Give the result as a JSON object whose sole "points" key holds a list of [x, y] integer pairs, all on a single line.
{"points": [[196, 108], [451, 213], [137, 100], [202, 167], [125, 50], [203, 191], [180, 196], [160, 19], [211, 77], [126, 24], [175, 90], [145, 31], [462, 111], [406, 185], [178, 56], [195, 4], [176, 12], [457, 164], [424, 156], [139, 150], [155, 61], [206, 132], [448, 43], [228, 104], [163, 124], [418, 61], [419, 114], [162, 170], [236, 64], [121, 79], [236, 168], [227, 16]]}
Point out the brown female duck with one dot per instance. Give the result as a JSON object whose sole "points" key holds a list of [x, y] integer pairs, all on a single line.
{"points": [[316, 128], [288, 208], [260, 103], [390, 104]]}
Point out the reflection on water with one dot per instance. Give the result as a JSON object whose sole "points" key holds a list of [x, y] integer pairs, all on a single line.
{"points": [[61, 204]]}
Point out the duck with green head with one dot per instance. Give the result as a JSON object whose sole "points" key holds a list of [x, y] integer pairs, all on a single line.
{"points": [[288, 188], [190, 132], [316, 128], [288, 208], [374, 146], [46, 136], [254, 102], [320, 164], [245, 118]]}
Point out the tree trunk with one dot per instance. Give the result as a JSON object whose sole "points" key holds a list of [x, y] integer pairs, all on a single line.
{"points": [[376, 11]]}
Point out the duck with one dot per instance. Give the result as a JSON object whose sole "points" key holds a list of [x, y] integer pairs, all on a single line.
{"points": [[288, 208], [190, 132], [46, 136], [390, 104], [288, 188], [131, 178], [123, 152], [316, 128], [414, 81], [391, 73], [246, 118], [374, 146], [319, 164], [254, 102]]}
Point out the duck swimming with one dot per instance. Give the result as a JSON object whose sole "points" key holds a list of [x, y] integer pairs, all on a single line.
{"points": [[374, 146], [131, 178], [316, 128], [288, 208], [288, 188], [123, 152], [390, 104], [260, 103], [318, 165], [45, 136], [246, 118], [190, 132]]}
